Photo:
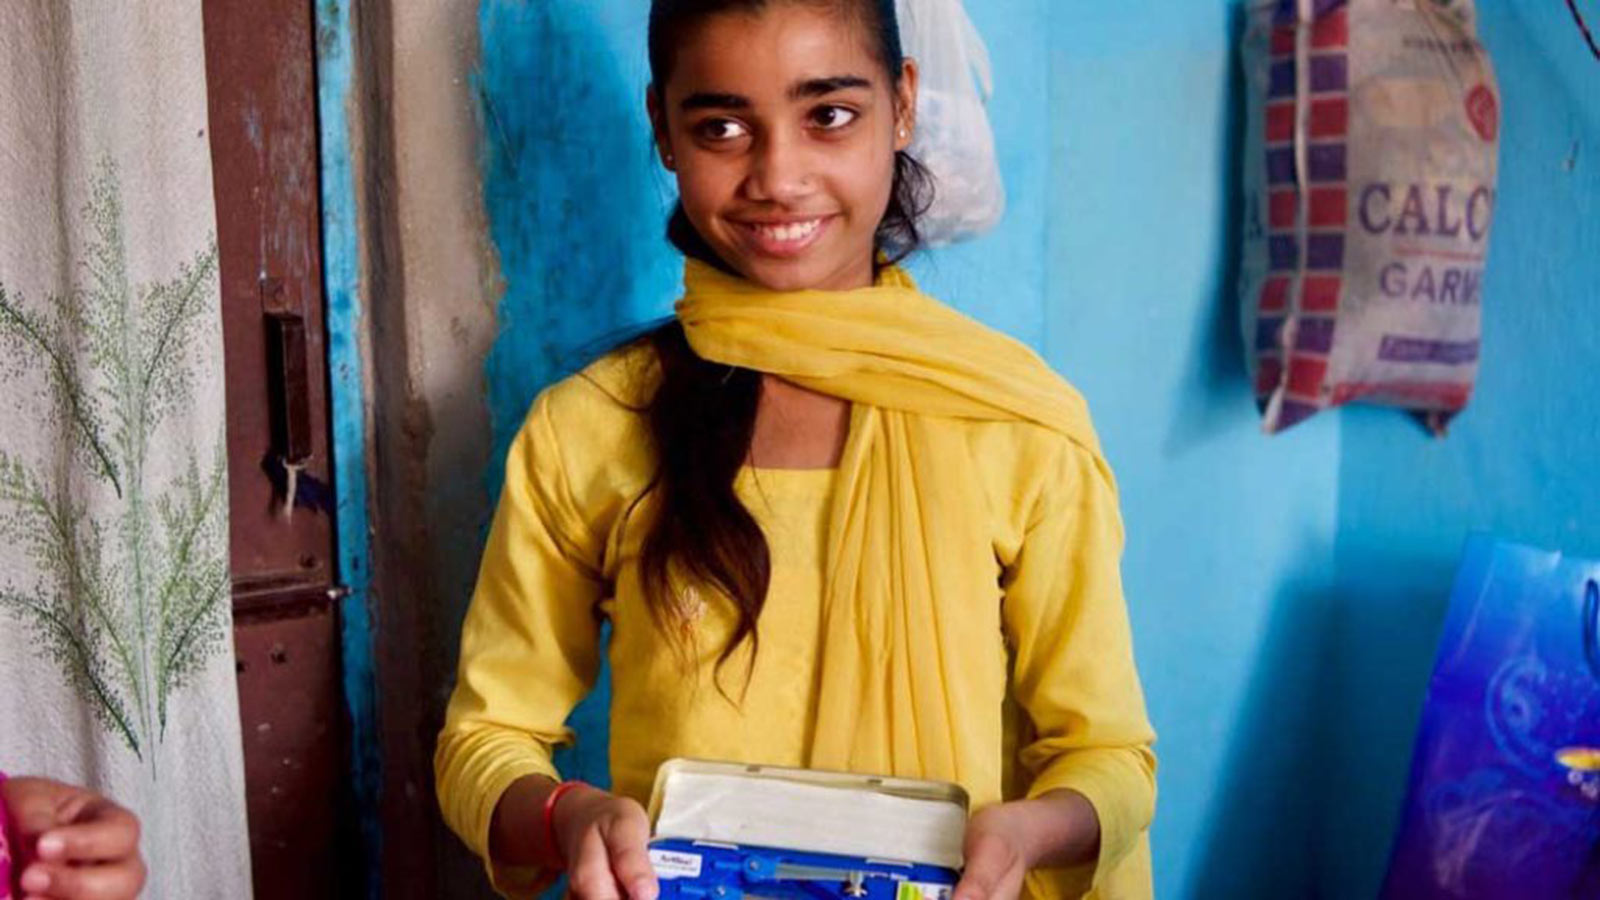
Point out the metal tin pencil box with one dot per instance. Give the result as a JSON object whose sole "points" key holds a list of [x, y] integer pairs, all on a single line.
{"points": [[727, 831], [704, 870]]}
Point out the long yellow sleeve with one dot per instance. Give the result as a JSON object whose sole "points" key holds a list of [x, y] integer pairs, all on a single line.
{"points": [[1074, 675], [529, 644]]}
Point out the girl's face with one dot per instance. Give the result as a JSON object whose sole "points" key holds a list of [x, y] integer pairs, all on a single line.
{"points": [[782, 128]]}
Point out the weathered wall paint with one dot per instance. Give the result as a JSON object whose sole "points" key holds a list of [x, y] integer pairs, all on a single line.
{"points": [[431, 283], [576, 202], [576, 206], [341, 270], [1118, 139]]}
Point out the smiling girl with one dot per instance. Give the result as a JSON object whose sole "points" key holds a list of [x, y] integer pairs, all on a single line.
{"points": [[832, 522]]}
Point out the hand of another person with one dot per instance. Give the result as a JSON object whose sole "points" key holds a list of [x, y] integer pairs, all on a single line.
{"points": [[74, 843]]}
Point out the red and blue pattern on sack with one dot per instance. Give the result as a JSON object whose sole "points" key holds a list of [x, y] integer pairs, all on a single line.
{"points": [[1369, 189], [1327, 206]]}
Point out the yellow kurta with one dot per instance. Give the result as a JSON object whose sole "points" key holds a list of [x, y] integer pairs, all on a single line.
{"points": [[563, 550]]}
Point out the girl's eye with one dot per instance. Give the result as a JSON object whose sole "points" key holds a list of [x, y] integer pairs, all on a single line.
{"points": [[721, 129], [830, 118]]}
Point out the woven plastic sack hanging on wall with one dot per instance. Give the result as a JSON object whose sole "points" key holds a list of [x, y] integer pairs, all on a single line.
{"points": [[1371, 159]]}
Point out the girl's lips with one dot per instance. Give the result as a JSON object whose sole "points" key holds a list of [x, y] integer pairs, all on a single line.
{"points": [[784, 239]]}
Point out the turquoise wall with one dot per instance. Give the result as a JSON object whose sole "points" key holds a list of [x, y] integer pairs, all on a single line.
{"points": [[576, 207], [1285, 592], [347, 402], [1230, 534]]}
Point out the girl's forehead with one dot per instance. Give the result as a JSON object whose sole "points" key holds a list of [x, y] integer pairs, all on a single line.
{"points": [[768, 52]]}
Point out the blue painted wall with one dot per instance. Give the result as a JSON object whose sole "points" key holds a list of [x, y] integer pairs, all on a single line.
{"points": [[1230, 534], [348, 403], [1258, 570], [576, 206]]}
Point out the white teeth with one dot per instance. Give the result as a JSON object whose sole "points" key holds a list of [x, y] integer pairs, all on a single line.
{"points": [[789, 233]]}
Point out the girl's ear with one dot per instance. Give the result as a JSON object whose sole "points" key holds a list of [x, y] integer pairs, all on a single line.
{"points": [[905, 119], [658, 126]]}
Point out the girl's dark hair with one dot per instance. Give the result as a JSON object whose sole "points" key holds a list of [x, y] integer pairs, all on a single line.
{"points": [[702, 416]]}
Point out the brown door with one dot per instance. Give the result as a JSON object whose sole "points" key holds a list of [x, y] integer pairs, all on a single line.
{"points": [[260, 69]]}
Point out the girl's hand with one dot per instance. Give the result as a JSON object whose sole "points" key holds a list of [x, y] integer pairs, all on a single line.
{"points": [[605, 840], [1006, 840], [76, 844], [997, 854]]}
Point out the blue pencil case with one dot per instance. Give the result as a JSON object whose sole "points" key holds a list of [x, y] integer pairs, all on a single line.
{"points": [[735, 831], [705, 870]]}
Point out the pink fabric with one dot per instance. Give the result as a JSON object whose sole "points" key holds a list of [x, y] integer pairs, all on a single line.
{"points": [[5, 847]]}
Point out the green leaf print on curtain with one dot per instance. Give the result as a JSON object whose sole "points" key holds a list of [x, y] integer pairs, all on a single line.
{"points": [[129, 606]]}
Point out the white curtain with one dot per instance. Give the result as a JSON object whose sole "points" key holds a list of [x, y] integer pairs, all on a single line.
{"points": [[116, 653]]}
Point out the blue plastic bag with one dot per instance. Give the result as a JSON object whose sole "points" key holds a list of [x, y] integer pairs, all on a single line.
{"points": [[1504, 797]]}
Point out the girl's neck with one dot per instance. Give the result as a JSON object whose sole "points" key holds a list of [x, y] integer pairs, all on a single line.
{"points": [[861, 274], [797, 428]]}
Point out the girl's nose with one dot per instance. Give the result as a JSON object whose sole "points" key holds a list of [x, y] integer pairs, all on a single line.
{"points": [[779, 171]]}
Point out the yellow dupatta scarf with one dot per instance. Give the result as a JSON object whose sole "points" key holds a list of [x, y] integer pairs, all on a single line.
{"points": [[910, 685]]}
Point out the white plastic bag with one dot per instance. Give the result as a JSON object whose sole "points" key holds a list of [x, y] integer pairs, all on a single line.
{"points": [[953, 138]]}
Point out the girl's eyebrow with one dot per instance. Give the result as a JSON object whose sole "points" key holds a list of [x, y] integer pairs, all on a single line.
{"points": [[801, 90], [820, 87], [707, 100]]}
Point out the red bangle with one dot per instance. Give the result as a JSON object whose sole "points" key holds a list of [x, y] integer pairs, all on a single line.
{"points": [[558, 859]]}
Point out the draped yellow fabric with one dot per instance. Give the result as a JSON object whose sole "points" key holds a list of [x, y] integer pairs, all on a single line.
{"points": [[905, 687]]}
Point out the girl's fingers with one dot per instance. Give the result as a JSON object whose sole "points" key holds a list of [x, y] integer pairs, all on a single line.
{"points": [[989, 863], [628, 838], [104, 833], [589, 872], [975, 885], [121, 881]]}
